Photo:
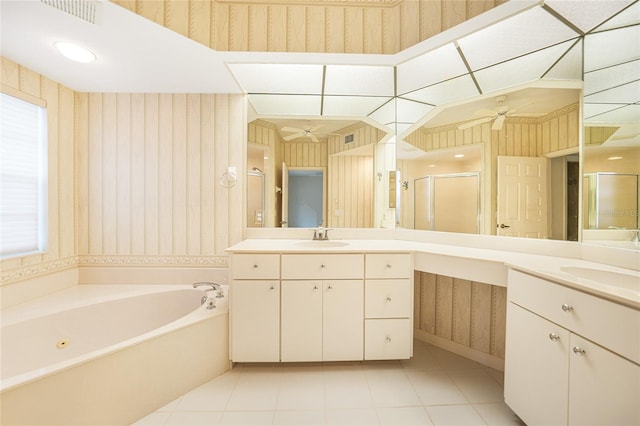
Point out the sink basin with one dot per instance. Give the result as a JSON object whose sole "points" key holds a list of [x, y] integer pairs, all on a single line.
{"points": [[613, 278], [321, 244]]}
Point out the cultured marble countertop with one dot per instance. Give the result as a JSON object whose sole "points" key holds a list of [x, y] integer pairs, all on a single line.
{"points": [[473, 263]]}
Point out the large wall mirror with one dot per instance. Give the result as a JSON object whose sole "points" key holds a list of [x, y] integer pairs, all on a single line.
{"points": [[477, 111]]}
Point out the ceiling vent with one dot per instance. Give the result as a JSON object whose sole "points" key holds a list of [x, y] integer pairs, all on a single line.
{"points": [[83, 9], [349, 138]]}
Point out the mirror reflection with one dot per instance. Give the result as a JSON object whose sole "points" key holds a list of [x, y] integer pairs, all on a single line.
{"points": [[316, 172], [484, 95], [612, 132], [498, 166]]}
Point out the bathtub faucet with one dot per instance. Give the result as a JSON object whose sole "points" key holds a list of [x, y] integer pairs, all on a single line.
{"points": [[212, 287]]}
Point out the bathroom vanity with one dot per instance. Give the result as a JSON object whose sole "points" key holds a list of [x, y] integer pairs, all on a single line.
{"points": [[572, 352], [571, 357], [318, 304]]}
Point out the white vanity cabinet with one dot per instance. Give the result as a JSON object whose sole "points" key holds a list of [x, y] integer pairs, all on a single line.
{"points": [[322, 315], [316, 306], [388, 306], [255, 308], [571, 358]]}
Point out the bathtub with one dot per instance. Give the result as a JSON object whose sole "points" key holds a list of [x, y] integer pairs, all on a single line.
{"points": [[108, 354]]}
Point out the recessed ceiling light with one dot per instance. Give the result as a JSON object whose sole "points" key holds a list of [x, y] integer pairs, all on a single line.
{"points": [[75, 52], [459, 156], [614, 158]]}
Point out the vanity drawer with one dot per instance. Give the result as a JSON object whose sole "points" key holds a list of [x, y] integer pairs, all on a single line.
{"points": [[614, 326], [322, 266], [255, 266], [387, 339], [388, 265], [387, 298]]}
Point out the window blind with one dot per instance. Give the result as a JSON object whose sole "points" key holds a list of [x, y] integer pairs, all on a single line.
{"points": [[23, 177]]}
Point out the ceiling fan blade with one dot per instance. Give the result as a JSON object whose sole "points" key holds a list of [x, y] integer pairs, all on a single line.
{"points": [[474, 123], [294, 136], [292, 129], [315, 128], [313, 137], [497, 125]]}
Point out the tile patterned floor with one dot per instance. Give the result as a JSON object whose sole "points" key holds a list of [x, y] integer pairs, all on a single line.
{"points": [[435, 387]]}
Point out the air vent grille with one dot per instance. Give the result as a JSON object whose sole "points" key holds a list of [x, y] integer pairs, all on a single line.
{"points": [[83, 9], [349, 138]]}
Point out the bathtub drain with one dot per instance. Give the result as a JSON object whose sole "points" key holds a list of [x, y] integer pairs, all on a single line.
{"points": [[62, 343]]}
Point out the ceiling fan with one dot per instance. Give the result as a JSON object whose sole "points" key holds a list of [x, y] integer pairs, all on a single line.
{"points": [[498, 115], [307, 132]]}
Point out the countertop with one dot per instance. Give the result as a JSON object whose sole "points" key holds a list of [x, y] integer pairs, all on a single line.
{"points": [[489, 265]]}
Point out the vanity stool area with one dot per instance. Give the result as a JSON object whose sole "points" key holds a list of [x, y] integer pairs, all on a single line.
{"points": [[321, 306]]}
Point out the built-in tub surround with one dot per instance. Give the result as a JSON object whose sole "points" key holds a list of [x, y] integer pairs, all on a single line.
{"points": [[131, 349]]}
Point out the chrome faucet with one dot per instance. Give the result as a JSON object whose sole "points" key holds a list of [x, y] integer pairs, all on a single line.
{"points": [[212, 287], [321, 234]]}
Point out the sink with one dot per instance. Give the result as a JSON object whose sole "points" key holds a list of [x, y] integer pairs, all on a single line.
{"points": [[321, 244], [613, 278]]}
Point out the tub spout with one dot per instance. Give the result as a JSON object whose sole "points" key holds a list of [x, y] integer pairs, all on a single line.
{"points": [[206, 299]]}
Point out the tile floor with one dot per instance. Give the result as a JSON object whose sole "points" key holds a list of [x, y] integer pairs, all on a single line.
{"points": [[435, 387]]}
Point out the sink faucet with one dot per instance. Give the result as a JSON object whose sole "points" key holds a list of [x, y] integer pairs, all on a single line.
{"points": [[321, 233], [636, 239], [212, 287]]}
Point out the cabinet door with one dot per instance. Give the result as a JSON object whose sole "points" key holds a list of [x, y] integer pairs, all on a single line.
{"points": [[343, 320], [604, 387], [301, 321], [255, 321], [536, 368]]}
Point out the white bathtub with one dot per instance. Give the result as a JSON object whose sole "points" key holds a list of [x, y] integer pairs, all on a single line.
{"points": [[107, 354]]}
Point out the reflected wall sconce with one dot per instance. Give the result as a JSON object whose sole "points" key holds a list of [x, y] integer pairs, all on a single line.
{"points": [[379, 176], [405, 185]]}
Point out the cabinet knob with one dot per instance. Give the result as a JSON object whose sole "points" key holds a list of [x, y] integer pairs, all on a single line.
{"points": [[567, 308], [255, 266], [578, 350], [554, 337], [272, 288], [388, 299], [315, 287], [329, 287], [388, 339], [323, 266], [388, 266]]}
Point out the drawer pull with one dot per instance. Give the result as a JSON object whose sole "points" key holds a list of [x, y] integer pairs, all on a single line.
{"points": [[329, 287], [554, 337], [272, 288], [388, 339], [322, 266], [388, 299], [567, 308], [578, 350], [315, 287], [388, 266], [255, 266]]}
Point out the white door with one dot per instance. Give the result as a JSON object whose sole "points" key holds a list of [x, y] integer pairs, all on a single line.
{"points": [[255, 321], [522, 209], [536, 368], [284, 222], [343, 320], [301, 321]]}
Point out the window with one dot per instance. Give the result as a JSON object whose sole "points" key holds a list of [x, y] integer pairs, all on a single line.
{"points": [[23, 177]]}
